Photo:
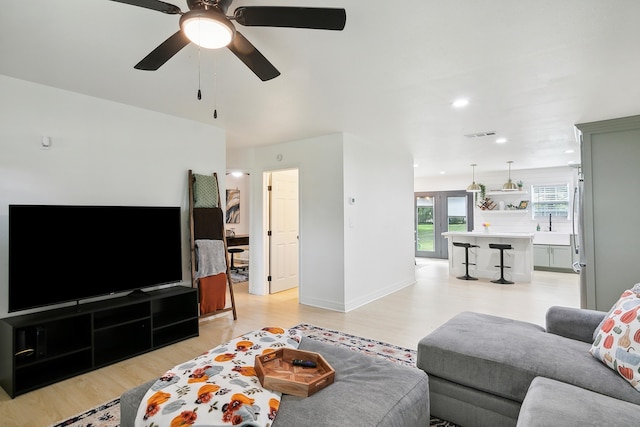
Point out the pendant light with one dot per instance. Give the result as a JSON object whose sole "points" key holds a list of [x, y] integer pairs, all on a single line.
{"points": [[509, 185], [473, 188]]}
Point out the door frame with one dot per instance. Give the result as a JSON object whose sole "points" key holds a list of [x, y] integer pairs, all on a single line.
{"points": [[268, 260], [441, 223]]}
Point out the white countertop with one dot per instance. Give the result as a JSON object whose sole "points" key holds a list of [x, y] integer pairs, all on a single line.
{"points": [[490, 234]]}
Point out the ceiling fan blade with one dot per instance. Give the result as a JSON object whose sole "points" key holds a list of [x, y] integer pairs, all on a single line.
{"points": [[158, 5], [164, 52], [292, 17], [252, 58]]}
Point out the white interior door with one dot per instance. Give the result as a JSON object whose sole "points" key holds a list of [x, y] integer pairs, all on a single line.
{"points": [[283, 224]]}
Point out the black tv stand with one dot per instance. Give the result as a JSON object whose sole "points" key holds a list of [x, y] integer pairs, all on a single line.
{"points": [[137, 293], [42, 348]]}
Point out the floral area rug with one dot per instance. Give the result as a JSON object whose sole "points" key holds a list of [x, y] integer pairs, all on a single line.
{"points": [[105, 415], [367, 346], [108, 414]]}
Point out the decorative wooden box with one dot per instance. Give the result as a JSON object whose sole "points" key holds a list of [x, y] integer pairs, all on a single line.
{"points": [[277, 372]]}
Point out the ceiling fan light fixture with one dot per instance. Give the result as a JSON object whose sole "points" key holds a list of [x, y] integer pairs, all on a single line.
{"points": [[207, 28]]}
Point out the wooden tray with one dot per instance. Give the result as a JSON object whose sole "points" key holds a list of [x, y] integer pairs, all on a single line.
{"points": [[276, 372]]}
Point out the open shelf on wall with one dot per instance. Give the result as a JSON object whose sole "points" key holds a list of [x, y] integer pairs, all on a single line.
{"points": [[506, 193], [505, 211]]}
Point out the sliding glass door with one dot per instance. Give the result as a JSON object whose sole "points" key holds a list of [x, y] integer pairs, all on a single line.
{"points": [[437, 212]]}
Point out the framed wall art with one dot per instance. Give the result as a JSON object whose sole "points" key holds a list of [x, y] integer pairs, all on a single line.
{"points": [[233, 207]]}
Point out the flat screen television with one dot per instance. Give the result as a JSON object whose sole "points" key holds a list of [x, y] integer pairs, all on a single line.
{"points": [[59, 253]]}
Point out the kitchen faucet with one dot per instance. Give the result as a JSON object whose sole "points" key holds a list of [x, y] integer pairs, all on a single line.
{"points": [[549, 222]]}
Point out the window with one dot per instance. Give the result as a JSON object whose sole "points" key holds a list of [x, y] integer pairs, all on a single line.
{"points": [[550, 199]]}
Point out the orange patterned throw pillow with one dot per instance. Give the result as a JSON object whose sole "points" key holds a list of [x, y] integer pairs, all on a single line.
{"points": [[617, 343]]}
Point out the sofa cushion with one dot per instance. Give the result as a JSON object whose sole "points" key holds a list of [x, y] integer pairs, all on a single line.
{"points": [[367, 391], [634, 289], [551, 402], [617, 343], [574, 323], [502, 356]]}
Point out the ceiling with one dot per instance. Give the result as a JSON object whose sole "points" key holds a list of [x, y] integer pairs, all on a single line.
{"points": [[531, 69]]}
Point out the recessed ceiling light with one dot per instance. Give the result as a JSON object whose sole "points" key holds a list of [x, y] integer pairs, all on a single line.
{"points": [[442, 172], [501, 140], [415, 165], [569, 151], [460, 103]]}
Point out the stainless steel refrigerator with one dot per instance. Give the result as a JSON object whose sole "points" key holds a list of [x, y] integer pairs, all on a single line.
{"points": [[609, 210], [580, 265]]}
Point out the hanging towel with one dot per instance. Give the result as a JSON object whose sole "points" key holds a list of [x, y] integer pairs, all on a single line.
{"points": [[213, 294], [205, 191], [208, 223], [211, 258]]}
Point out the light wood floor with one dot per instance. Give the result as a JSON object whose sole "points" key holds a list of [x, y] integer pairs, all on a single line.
{"points": [[401, 318]]}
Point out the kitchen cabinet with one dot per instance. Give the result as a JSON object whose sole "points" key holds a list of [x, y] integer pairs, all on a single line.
{"points": [[552, 257], [486, 260]]}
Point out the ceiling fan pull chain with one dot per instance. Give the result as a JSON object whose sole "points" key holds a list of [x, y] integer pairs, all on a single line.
{"points": [[215, 89], [199, 91]]}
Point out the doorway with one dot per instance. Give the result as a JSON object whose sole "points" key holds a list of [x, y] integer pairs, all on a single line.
{"points": [[237, 206], [283, 224], [436, 213]]}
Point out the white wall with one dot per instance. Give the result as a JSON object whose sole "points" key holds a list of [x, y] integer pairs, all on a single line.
{"points": [[349, 254], [321, 258], [102, 153], [512, 222], [379, 251]]}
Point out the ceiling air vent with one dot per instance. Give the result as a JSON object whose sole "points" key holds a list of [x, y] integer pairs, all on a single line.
{"points": [[481, 134]]}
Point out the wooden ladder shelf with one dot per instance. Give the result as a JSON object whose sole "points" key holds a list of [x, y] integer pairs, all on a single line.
{"points": [[213, 229]]}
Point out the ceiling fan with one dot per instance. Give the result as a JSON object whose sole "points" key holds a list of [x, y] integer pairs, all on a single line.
{"points": [[207, 25]]}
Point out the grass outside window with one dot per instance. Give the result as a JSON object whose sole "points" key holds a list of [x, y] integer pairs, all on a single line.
{"points": [[426, 238]]}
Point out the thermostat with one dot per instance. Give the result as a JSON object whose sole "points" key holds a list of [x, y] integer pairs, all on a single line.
{"points": [[45, 143]]}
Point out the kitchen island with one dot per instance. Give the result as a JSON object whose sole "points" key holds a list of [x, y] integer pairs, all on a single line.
{"points": [[487, 260]]}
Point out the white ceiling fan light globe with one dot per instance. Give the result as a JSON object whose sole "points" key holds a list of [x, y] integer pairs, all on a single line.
{"points": [[207, 29]]}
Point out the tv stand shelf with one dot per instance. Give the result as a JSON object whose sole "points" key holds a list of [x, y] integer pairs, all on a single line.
{"points": [[42, 348]]}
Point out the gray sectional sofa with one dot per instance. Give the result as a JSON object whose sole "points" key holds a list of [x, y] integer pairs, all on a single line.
{"points": [[491, 371]]}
